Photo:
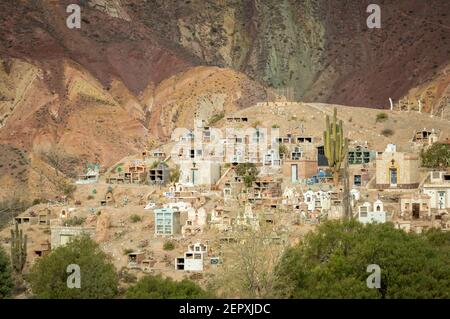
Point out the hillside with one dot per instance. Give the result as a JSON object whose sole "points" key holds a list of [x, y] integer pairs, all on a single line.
{"points": [[137, 69]]}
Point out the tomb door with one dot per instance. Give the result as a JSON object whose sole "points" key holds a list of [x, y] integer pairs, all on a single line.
{"points": [[441, 200], [357, 180], [393, 176], [416, 210], [294, 173]]}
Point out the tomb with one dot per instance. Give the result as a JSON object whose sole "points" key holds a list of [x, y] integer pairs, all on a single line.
{"points": [[437, 186], [91, 176], [415, 206], [109, 198], [199, 172], [397, 169], [25, 220], [360, 155], [43, 250], [237, 119], [195, 222], [425, 137], [221, 219], [372, 214], [193, 259], [167, 221], [61, 235], [159, 175], [296, 170], [135, 259]]}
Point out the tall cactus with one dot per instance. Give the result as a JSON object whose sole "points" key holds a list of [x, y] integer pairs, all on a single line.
{"points": [[335, 145], [18, 249]]}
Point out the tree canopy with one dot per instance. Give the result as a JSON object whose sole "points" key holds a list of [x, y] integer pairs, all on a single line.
{"points": [[248, 171], [6, 282], [332, 263], [436, 155], [157, 287], [48, 277]]}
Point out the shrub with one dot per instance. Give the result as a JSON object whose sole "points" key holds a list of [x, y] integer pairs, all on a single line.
{"points": [[216, 118], [154, 164], [6, 282], [381, 117], [126, 277], [387, 132], [74, 221], [275, 126], [157, 287], [282, 149], [68, 189], [135, 218], [169, 245], [127, 251], [248, 171], [175, 174], [90, 197], [38, 201], [256, 124], [438, 155]]}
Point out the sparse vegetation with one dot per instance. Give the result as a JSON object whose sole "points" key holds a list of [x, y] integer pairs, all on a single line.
{"points": [[38, 201], [175, 174], [10, 208], [127, 251], [381, 117], [61, 161], [387, 132], [216, 118], [256, 124], [68, 189], [169, 245], [249, 270], [135, 218], [248, 171], [74, 221]]}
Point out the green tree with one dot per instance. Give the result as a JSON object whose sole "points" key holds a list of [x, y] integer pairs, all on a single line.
{"points": [[282, 149], [6, 282], [332, 263], [438, 155], [48, 277], [248, 171], [157, 287], [174, 174]]}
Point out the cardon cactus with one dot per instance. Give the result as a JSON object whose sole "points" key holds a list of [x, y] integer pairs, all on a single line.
{"points": [[335, 145], [18, 249]]}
